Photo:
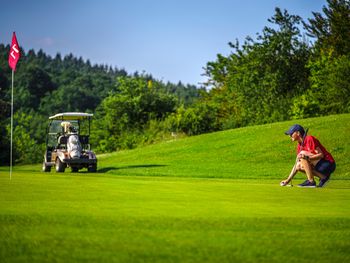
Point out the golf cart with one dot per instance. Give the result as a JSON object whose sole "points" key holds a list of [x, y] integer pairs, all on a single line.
{"points": [[67, 143]]}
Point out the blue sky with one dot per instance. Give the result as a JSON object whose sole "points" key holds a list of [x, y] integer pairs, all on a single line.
{"points": [[170, 39]]}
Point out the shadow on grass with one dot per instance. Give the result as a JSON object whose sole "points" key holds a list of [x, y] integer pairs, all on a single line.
{"points": [[107, 169]]}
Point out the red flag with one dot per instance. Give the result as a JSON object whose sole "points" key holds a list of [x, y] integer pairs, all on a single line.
{"points": [[14, 53]]}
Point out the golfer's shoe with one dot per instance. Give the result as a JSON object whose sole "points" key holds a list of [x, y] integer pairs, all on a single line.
{"points": [[324, 181], [307, 183]]}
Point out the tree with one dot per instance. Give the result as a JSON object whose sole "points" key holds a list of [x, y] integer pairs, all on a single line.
{"points": [[33, 84], [69, 98], [124, 114], [4, 142], [25, 148], [330, 84], [4, 84], [332, 31], [330, 63], [261, 76]]}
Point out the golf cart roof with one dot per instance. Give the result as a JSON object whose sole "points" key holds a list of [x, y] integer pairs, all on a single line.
{"points": [[71, 116]]}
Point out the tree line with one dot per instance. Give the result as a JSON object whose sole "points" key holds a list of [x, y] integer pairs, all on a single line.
{"points": [[292, 69], [46, 85]]}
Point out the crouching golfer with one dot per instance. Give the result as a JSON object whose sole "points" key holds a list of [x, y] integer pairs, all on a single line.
{"points": [[312, 159]]}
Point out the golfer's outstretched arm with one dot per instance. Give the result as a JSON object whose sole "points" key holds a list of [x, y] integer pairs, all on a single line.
{"points": [[292, 174]]}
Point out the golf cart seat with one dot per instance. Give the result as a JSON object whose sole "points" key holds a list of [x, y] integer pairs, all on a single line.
{"points": [[62, 139], [62, 142]]}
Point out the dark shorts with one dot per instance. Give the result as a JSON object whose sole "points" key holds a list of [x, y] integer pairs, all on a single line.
{"points": [[325, 167]]}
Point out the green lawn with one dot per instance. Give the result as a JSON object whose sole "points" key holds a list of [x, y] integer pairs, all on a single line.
{"points": [[255, 152], [210, 198]]}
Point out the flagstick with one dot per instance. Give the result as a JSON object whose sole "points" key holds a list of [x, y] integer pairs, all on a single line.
{"points": [[11, 126]]}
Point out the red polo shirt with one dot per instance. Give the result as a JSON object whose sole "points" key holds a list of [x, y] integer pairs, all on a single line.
{"points": [[310, 145]]}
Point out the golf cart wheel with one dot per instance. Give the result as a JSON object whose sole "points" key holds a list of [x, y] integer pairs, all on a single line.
{"points": [[46, 168], [60, 167], [92, 168], [75, 169]]}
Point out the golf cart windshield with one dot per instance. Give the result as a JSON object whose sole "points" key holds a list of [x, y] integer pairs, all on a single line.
{"points": [[70, 122]]}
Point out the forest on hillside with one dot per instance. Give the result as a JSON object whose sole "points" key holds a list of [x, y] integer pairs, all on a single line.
{"points": [[292, 69]]}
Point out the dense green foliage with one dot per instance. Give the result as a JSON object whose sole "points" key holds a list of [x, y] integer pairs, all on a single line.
{"points": [[208, 198], [280, 75], [45, 86], [125, 114]]}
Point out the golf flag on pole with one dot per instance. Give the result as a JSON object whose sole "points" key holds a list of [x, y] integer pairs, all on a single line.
{"points": [[15, 53], [14, 56]]}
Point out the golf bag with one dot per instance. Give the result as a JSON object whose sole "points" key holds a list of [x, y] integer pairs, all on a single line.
{"points": [[74, 146]]}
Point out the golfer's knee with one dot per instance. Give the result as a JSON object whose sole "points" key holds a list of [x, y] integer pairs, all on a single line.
{"points": [[299, 167], [304, 163]]}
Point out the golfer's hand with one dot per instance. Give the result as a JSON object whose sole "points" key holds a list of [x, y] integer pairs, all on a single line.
{"points": [[284, 182], [304, 156]]}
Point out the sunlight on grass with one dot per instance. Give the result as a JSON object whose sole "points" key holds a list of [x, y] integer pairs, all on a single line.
{"points": [[210, 198]]}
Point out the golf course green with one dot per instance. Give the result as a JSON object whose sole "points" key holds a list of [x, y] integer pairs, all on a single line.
{"points": [[208, 198]]}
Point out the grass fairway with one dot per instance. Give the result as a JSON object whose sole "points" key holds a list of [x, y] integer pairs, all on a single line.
{"points": [[210, 198]]}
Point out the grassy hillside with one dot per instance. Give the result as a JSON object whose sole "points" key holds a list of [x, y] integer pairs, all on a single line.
{"points": [[150, 204], [252, 152]]}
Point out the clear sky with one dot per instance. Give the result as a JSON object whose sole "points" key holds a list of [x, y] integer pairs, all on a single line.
{"points": [[170, 39]]}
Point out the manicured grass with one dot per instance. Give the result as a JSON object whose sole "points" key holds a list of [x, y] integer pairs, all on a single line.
{"points": [[76, 218], [254, 152], [210, 198]]}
